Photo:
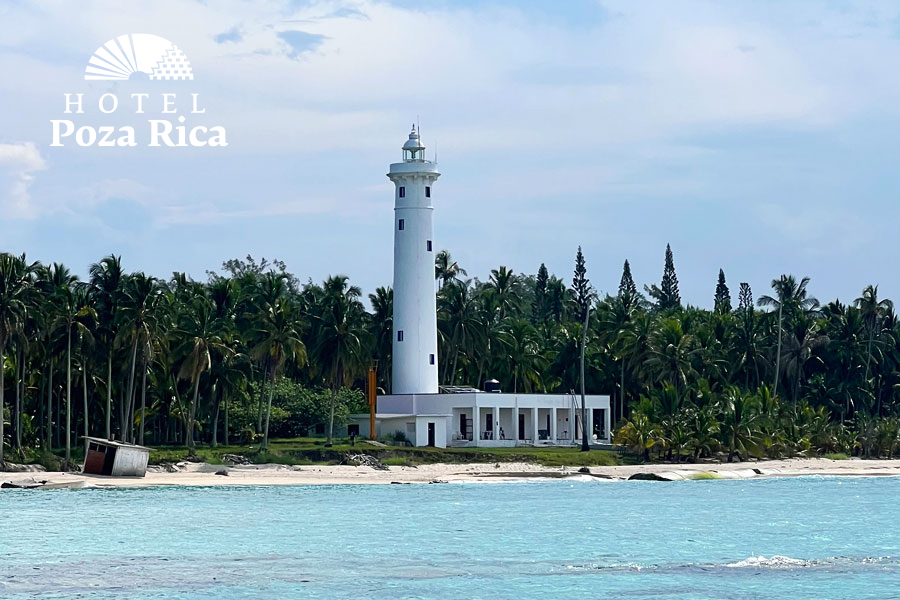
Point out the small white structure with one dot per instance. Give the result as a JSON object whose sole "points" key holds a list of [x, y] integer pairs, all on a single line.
{"points": [[108, 457], [465, 417], [483, 419]]}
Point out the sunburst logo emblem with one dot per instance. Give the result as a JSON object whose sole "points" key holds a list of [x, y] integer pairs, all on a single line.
{"points": [[138, 56]]}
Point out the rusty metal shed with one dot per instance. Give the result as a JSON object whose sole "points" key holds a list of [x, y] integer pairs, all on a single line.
{"points": [[109, 457]]}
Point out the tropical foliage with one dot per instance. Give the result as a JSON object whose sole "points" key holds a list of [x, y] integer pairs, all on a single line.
{"points": [[252, 352]]}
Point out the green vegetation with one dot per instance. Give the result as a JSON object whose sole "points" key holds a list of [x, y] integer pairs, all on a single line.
{"points": [[253, 359], [703, 475], [836, 456], [307, 451]]}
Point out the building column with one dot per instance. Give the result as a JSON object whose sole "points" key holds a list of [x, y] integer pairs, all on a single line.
{"points": [[589, 431], [608, 423], [476, 425], [496, 432], [534, 425], [572, 422], [553, 424]]}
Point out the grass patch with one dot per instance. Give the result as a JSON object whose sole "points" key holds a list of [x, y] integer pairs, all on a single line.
{"points": [[306, 451], [836, 456], [702, 475]]}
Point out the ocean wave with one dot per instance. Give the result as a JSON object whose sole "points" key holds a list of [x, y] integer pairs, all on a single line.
{"points": [[773, 562], [751, 563]]}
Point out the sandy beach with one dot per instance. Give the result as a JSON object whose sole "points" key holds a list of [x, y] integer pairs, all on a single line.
{"points": [[200, 474]]}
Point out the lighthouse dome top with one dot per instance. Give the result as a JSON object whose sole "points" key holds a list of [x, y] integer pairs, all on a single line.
{"points": [[413, 150]]}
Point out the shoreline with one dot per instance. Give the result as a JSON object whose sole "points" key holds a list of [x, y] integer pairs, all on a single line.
{"points": [[207, 475]]}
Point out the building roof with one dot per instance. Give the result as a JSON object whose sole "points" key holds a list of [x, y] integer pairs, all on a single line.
{"points": [[399, 415], [115, 443]]}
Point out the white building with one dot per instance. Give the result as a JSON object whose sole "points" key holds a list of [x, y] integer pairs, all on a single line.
{"points": [[465, 416]]}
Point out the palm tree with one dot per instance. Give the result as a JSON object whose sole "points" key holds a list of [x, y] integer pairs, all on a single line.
{"points": [[446, 269], [381, 329], [503, 289], [873, 311], [279, 341], [265, 292], [339, 336], [670, 354], [139, 314], [740, 424], [635, 343], [15, 284], [614, 316], [799, 346], [75, 316], [199, 333], [747, 346], [106, 278], [791, 296], [522, 353], [459, 322]]}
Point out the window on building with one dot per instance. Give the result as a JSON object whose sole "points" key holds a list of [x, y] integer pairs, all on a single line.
{"points": [[431, 359], [402, 192], [400, 224], [400, 336], [428, 191], [428, 245]]}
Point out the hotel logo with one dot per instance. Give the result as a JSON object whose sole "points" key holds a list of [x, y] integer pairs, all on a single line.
{"points": [[132, 57], [138, 56]]}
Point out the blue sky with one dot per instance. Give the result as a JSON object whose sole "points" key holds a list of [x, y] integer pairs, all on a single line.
{"points": [[759, 137]]}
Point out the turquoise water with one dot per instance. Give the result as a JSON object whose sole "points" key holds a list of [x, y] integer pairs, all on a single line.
{"points": [[820, 538]]}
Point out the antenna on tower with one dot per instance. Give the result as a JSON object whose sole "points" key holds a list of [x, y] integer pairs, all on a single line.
{"points": [[418, 127]]}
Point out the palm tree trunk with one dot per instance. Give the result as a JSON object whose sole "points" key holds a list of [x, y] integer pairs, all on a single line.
{"points": [[193, 412], [215, 419], [265, 443], [20, 375], [108, 394], [777, 354], [69, 397], [50, 406], [126, 425], [86, 430], [225, 400], [143, 403], [330, 441], [2, 371], [262, 396]]}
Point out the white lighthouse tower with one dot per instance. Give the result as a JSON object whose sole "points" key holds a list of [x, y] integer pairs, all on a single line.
{"points": [[415, 310]]}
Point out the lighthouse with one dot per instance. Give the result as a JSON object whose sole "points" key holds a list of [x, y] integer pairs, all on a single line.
{"points": [[414, 345]]}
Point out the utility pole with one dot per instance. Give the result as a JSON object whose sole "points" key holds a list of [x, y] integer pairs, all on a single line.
{"points": [[585, 446]]}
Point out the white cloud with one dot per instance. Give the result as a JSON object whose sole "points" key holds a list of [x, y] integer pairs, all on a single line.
{"points": [[18, 165]]}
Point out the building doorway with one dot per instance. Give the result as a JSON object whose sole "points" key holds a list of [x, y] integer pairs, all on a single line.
{"points": [[431, 434], [521, 426], [599, 423]]}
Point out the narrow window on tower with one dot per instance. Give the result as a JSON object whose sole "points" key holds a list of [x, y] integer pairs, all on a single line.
{"points": [[428, 191], [431, 359], [402, 192], [400, 224], [428, 245], [400, 336]]}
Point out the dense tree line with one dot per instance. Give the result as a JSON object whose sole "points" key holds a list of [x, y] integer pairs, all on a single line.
{"points": [[252, 352], [165, 361], [780, 377]]}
